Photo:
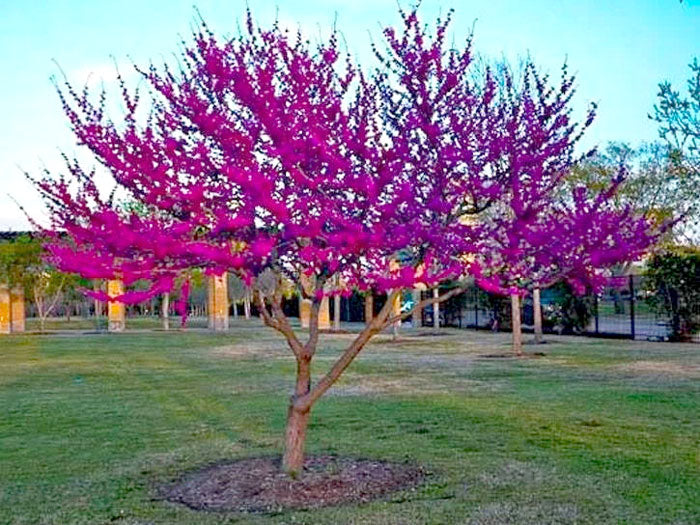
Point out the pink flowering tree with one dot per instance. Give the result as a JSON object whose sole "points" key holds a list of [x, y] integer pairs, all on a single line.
{"points": [[579, 240], [280, 161], [543, 232]]}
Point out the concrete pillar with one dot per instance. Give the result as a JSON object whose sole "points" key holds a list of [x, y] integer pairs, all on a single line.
{"points": [[324, 313], [11, 310], [217, 301], [116, 312], [304, 311]]}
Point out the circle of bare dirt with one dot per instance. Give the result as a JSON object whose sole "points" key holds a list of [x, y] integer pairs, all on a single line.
{"points": [[259, 485]]}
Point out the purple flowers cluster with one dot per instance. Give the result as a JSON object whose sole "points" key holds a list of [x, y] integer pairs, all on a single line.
{"points": [[265, 152]]}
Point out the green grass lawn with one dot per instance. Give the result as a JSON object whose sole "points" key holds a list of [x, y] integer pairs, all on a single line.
{"points": [[595, 432]]}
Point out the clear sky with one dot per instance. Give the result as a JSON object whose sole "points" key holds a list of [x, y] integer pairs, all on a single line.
{"points": [[619, 49]]}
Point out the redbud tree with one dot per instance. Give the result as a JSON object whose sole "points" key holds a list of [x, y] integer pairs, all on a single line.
{"points": [[544, 231], [264, 155]]}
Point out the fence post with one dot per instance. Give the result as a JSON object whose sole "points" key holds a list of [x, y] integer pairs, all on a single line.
{"points": [[631, 285]]}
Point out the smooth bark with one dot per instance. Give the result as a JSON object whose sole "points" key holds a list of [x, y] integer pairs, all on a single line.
{"points": [[297, 421], [537, 312], [246, 304], [9, 314], [516, 324], [336, 313], [305, 395], [166, 311], [416, 315], [436, 310], [369, 307]]}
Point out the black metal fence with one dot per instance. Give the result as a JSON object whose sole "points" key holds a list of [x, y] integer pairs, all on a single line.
{"points": [[622, 311]]}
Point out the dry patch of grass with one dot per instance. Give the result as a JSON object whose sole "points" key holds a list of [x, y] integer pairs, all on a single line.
{"points": [[661, 368], [268, 349], [541, 512]]}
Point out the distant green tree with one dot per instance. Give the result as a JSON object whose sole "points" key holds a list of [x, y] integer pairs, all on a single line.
{"points": [[678, 116], [16, 256], [654, 184], [22, 265], [569, 313], [673, 278]]}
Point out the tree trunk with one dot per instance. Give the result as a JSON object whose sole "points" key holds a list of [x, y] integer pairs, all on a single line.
{"points": [[537, 312], [336, 313], [369, 307], [517, 330], [9, 313], [416, 316], [165, 307], [436, 310], [235, 310], [297, 422], [246, 304], [395, 311]]}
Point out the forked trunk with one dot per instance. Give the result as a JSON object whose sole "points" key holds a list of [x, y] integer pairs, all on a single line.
{"points": [[304, 397], [517, 329], [537, 310]]}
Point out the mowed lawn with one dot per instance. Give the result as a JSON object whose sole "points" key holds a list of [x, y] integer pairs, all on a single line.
{"points": [[596, 431]]}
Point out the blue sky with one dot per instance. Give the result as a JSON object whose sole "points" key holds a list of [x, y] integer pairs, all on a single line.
{"points": [[619, 49]]}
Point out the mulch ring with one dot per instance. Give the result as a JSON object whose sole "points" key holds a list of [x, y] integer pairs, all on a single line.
{"points": [[259, 485]]}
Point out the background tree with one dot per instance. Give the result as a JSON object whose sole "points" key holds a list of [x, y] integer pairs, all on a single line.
{"points": [[547, 228], [653, 184], [678, 117], [23, 264], [673, 278]]}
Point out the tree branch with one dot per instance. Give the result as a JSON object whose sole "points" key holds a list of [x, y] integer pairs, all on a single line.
{"points": [[278, 320], [376, 326], [423, 304]]}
